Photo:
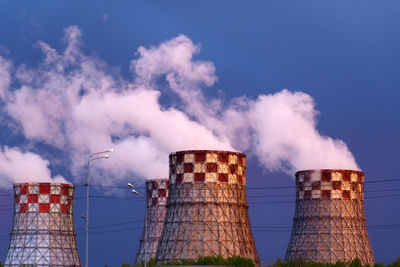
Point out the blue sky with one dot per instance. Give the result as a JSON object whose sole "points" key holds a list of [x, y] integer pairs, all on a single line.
{"points": [[344, 54]]}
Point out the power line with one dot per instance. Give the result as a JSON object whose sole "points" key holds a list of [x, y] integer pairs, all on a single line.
{"points": [[271, 196], [249, 196], [293, 186], [254, 228], [368, 226], [111, 225], [291, 195], [382, 190], [381, 181], [271, 187], [287, 202], [110, 197], [109, 186], [248, 188], [112, 231], [119, 198], [270, 202], [10, 207], [383, 196], [268, 228]]}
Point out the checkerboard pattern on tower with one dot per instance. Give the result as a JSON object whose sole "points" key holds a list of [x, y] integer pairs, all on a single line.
{"points": [[329, 222], [43, 229], [208, 167], [330, 185], [156, 205], [207, 212]]}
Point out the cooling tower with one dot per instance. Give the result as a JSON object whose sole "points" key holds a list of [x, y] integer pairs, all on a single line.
{"points": [[43, 227], [207, 212], [156, 206], [329, 222]]}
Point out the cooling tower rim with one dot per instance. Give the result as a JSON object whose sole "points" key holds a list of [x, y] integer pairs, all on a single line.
{"points": [[207, 151], [329, 170], [44, 183]]}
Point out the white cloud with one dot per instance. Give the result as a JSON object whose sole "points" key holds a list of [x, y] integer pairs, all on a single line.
{"points": [[286, 138], [17, 167], [78, 104], [73, 103], [5, 76]]}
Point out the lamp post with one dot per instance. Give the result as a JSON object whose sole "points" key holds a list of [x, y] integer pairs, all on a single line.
{"points": [[141, 195], [92, 157]]}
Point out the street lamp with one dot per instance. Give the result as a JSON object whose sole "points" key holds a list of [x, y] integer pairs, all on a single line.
{"points": [[92, 157], [141, 195]]}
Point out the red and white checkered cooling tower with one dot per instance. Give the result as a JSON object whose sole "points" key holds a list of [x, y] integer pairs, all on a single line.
{"points": [[156, 206], [329, 222], [43, 227], [207, 212]]}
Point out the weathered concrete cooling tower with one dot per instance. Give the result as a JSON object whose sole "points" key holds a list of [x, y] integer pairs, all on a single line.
{"points": [[329, 222], [43, 228], [207, 213], [156, 206]]}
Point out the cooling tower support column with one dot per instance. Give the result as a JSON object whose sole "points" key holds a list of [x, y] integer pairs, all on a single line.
{"points": [[43, 228], [207, 213], [156, 205], [329, 222]]}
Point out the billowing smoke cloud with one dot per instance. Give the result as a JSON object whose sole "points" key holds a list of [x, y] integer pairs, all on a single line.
{"points": [[5, 76], [19, 167], [285, 135], [78, 104], [280, 129]]}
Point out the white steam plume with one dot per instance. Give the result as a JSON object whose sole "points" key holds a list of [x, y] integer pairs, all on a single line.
{"points": [[286, 138], [19, 167], [75, 103], [280, 129], [78, 104], [5, 76]]}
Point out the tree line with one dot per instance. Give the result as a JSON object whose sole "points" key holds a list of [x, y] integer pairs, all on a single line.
{"points": [[246, 262], [238, 261]]}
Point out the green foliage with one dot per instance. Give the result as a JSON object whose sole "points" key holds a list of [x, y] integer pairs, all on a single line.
{"points": [[395, 263], [210, 260], [214, 260], [354, 263], [238, 261], [151, 263], [179, 263]]}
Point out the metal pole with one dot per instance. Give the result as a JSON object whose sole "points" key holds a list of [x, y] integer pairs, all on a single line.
{"points": [[99, 155], [145, 232], [87, 215], [144, 197]]}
